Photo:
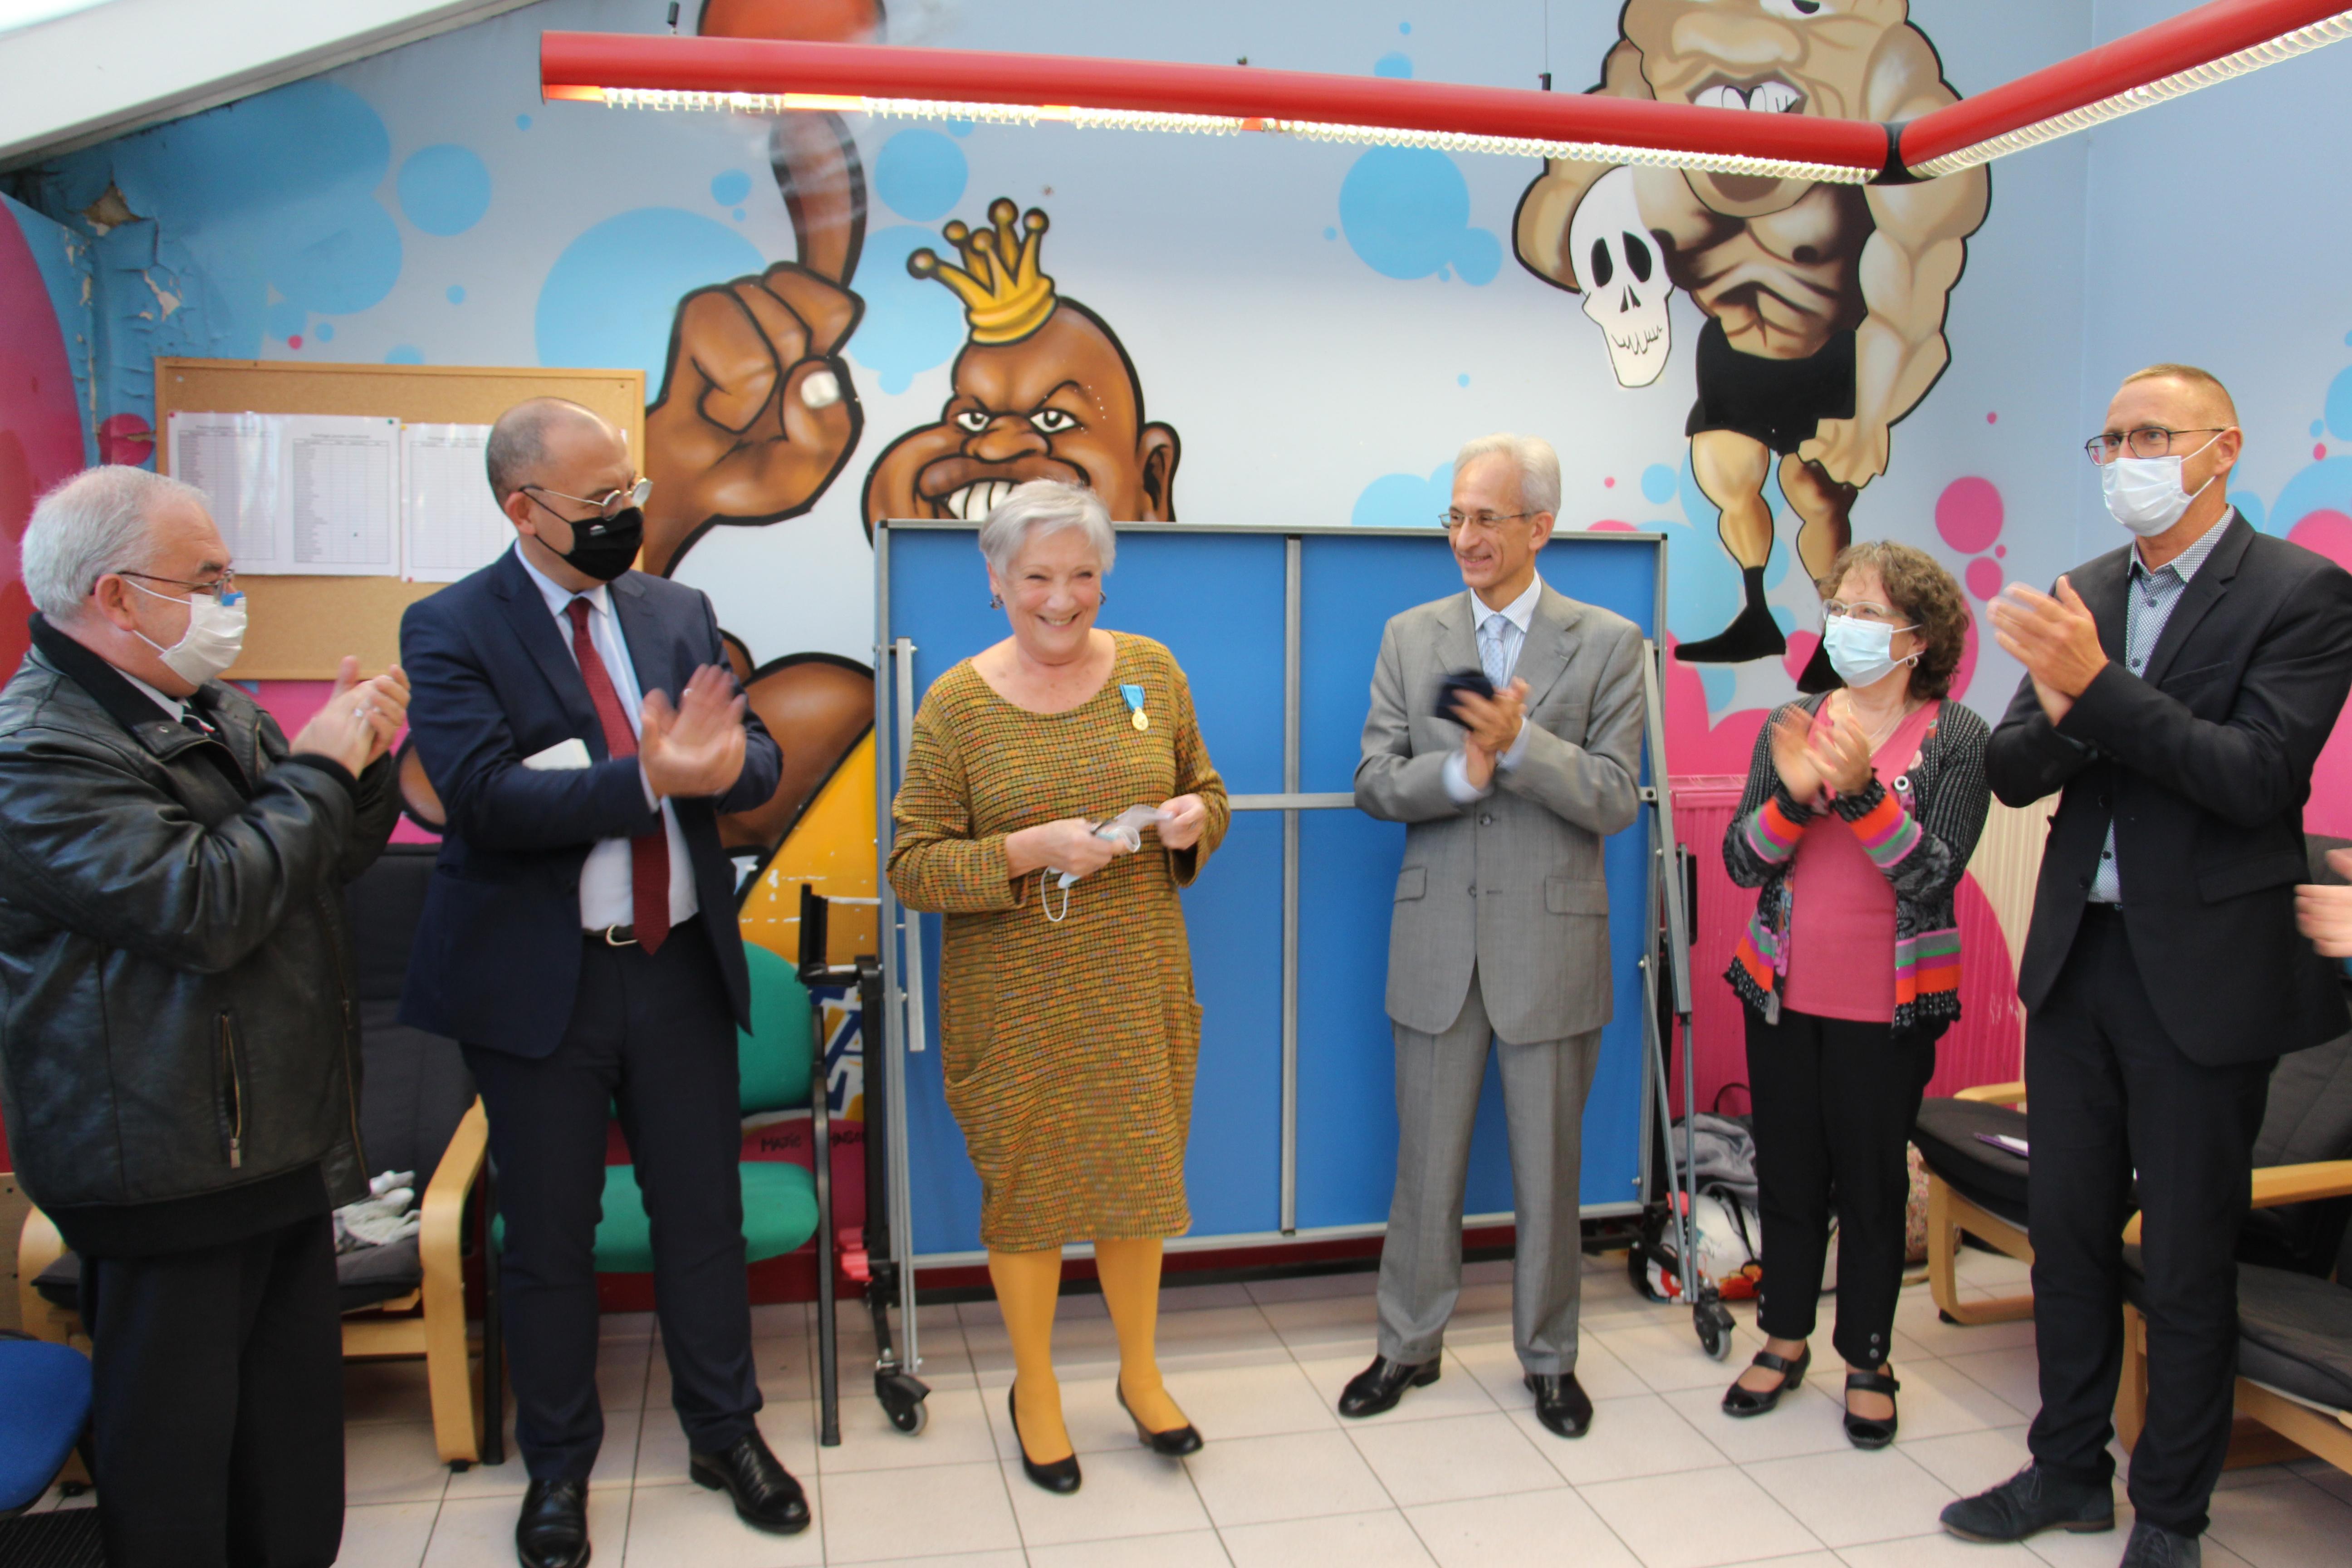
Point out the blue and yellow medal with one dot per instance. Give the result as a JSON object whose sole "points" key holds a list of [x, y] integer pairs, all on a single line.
{"points": [[1137, 716]]}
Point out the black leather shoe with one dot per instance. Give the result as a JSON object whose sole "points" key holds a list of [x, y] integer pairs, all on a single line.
{"points": [[2153, 1546], [2028, 1503], [553, 1530], [1563, 1407], [766, 1496], [1176, 1442], [1060, 1477], [1379, 1385], [1741, 1401], [1863, 1431]]}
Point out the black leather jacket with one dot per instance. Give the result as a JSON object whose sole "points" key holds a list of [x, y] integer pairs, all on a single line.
{"points": [[178, 1046]]}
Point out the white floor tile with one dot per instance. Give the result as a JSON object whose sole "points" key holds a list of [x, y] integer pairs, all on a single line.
{"points": [[480, 1531], [687, 1526], [2014, 1374], [2096, 1548], [1326, 1325], [1536, 1527], [1495, 1365], [621, 1366], [614, 1326], [1671, 1524], [955, 1432], [1805, 1421], [1938, 1399], [776, 1318], [1936, 1551], [1009, 1558], [1970, 1462], [392, 1462], [1179, 1298], [1452, 1394], [1128, 1493], [1666, 1355], [1299, 1475], [1194, 1549], [1250, 1401], [789, 1426], [1315, 1287], [1379, 1540], [387, 1535], [871, 1516], [1853, 1498], [1638, 1436], [1441, 1462], [2292, 1525], [1915, 1320]]}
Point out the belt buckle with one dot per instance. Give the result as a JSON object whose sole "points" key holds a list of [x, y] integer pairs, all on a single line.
{"points": [[620, 936]]}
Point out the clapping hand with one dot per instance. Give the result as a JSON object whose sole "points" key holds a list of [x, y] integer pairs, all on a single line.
{"points": [[1839, 750], [1792, 755], [2056, 639], [2324, 913], [696, 748], [360, 719]]}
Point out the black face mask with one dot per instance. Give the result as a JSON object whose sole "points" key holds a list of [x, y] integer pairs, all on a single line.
{"points": [[604, 550]]}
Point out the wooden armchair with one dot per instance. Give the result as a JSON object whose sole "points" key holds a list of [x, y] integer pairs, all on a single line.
{"points": [[1975, 1189]]}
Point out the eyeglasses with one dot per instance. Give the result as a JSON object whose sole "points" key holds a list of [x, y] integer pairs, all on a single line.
{"points": [[608, 506], [2147, 441], [223, 588], [1864, 610], [1456, 521]]}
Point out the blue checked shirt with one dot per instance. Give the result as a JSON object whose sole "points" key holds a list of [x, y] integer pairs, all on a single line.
{"points": [[1501, 633], [2149, 599]]}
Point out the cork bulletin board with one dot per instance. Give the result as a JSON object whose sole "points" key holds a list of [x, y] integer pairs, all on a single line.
{"points": [[301, 626]]}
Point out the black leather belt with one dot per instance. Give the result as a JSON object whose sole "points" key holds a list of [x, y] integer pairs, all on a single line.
{"points": [[626, 936]]}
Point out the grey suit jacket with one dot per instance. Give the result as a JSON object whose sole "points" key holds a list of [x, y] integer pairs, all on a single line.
{"points": [[1511, 883]]}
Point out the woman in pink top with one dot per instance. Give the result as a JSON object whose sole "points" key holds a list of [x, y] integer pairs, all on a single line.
{"points": [[1860, 812]]}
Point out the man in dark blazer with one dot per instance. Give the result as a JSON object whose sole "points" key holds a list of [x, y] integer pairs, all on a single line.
{"points": [[581, 726], [2178, 691]]}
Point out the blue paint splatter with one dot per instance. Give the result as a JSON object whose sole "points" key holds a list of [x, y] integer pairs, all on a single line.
{"points": [[2338, 406], [1462, 380], [2250, 506], [958, 128], [324, 332], [1406, 211], [919, 174], [739, 215], [609, 298], [1394, 64], [1405, 501], [2318, 429], [1330, 232], [1721, 683], [403, 355], [2323, 486], [1404, 26], [910, 323], [286, 319], [457, 293], [444, 188], [522, 122], [729, 188], [1658, 482]]}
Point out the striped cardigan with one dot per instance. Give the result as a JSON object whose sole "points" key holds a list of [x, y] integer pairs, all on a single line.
{"points": [[1921, 850]]}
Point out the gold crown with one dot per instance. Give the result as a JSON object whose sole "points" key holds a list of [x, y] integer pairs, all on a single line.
{"points": [[1006, 296]]}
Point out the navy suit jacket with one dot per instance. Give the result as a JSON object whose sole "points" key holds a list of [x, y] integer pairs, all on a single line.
{"points": [[496, 959]]}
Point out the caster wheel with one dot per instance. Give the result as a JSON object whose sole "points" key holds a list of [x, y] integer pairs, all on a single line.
{"points": [[1714, 1325], [902, 1395]]}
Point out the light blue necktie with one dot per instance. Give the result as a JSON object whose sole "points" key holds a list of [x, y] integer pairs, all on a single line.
{"points": [[1490, 650]]}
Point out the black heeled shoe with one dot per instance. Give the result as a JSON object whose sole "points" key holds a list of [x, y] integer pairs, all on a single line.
{"points": [[1175, 1443], [1859, 1430], [1060, 1477], [1746, 1402]]}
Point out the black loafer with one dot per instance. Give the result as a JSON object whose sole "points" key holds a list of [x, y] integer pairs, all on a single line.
{"points": [[1175, 1443], [552, 1532], [1060, 1477], [766, 1496], [2028, 1503], [1379, 1385], [1861, 1430], [1562, 1406], [1742, 1400]]}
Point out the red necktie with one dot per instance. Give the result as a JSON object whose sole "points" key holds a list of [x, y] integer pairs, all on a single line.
{"points": [[649, 852]]}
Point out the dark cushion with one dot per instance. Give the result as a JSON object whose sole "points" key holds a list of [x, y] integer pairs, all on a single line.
{"points": [[362, 1279], [1992, 1178], [2294, 1333], [382, 909], [2307, 1117], [44, 1404], [415, 1089]]}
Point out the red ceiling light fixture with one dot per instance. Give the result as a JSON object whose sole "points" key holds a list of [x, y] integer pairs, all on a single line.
{"points": [[2212, 43]]}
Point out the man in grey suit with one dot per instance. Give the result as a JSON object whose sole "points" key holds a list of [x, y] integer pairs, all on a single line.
{"points": [[1501, 928]]}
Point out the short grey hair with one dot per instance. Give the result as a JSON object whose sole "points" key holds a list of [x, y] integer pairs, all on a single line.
{"points": [[97, 522], [1043, 507], [517, 443], [1538, 464]]}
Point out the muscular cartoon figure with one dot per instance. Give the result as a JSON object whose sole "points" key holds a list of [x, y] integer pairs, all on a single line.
{"points": [[1042, 390], [1825, 303]]}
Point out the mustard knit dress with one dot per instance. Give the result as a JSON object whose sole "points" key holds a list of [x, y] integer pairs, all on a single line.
{"points": [[1069, 1046]]}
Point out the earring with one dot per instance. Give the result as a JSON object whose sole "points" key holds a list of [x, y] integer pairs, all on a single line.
{"points": [[1102, 595], [996, 601]]}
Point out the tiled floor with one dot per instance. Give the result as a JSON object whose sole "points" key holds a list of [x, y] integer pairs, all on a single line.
{"points": [[1459, 1474]]}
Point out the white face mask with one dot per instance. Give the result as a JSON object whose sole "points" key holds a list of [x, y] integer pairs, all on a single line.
{"points": [[215, 636], [2143, 494], [1861, 651]]}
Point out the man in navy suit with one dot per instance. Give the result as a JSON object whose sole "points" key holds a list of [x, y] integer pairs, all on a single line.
{"points": [[581, 728]]}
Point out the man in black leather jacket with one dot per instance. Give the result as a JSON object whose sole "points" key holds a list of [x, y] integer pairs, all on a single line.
{"points": [[176, 1024]]}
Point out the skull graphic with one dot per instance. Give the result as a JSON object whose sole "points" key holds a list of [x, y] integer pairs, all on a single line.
{"points": [[1625, 278]]}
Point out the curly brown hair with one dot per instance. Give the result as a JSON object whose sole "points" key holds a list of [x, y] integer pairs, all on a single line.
{"points": [[1925, 595]]}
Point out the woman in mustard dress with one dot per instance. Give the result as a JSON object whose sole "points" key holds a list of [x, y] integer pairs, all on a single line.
{"points": [[1069, 1031]]}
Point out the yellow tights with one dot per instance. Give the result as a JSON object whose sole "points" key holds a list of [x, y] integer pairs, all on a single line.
{"points": [[1029, 1284]]}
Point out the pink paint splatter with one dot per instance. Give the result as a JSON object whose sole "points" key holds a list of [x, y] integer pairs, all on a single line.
{"points": [[1611, 525], [125, 438], [2001, 551], [2319, 453], [2330, 807], [1984, 578], [1968, 514], [1609, 482], [1992, 418], [295, 342]]}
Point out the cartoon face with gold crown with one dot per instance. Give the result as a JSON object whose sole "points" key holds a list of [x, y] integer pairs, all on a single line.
{"points": [[1042, 390]]}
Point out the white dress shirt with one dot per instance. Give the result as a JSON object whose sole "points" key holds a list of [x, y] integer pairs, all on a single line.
{"points": [[1500, 634], [604, 879], [175, 708]]}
